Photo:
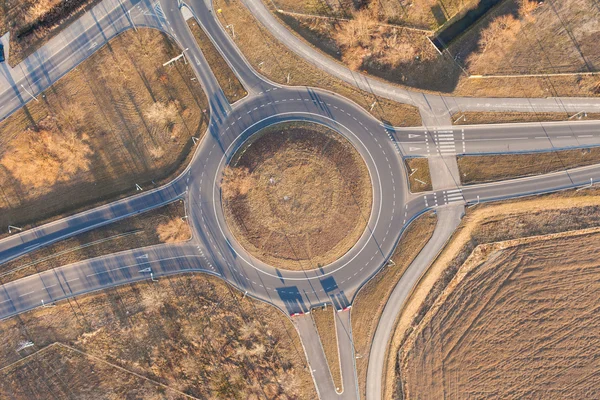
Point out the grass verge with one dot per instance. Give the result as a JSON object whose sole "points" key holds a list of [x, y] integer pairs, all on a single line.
{"points": [[324, 319], [275, 61], [192, 333], [230, 84], [487, 223], [162, 225], [117, 120], [371, 299], [419, 177], [476, 117], [489, 168]]}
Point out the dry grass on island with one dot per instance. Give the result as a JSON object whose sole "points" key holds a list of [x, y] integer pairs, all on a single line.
{"points": [[117, 120], [187, 334], [298, 196]]}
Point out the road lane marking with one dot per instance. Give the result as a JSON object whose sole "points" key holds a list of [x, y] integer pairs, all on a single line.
{"points": [[71, 280], [26, 294]]}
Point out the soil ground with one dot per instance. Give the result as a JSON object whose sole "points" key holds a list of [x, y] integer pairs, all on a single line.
{"points": [[557, 37], [474, 117], [191, 333], [228, 81], [117, 120], [274, 60], [489, 168], [518, 320], [324, 319], [372, 298], [487, 223], [32, 23], [162, 225], [422, 14], [419, 177], [297, 196]]}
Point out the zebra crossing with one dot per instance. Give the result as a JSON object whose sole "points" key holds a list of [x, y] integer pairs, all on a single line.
{"points": [[443, 197], [445, 142]]}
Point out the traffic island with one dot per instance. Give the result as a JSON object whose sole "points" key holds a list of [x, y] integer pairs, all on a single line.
{"points": [[297, 196]]}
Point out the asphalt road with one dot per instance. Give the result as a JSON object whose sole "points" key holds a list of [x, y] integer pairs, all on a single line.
{"points": [[213, 248]]}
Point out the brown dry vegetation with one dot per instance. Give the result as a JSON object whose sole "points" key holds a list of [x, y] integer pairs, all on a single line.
{"points": [[517, 320], [324, 319], [118, 119], [491, 117], [508, 220], [145, 229], [228, 81], [514, 38], [372, 298], [489, 168], [419, 178], [31, 23], [191, 333], [69, 374], [423, 14], [297, 196], [275, 61]]}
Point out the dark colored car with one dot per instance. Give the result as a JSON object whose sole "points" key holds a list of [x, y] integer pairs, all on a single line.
{"points": [[1, 52]]}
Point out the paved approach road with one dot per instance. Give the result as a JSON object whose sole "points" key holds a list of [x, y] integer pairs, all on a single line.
{"points": [[213, 249]]}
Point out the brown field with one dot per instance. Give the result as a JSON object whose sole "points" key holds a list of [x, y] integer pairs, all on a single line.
{"points": [[60, 372], [190, 333], [518, 320], [476, 117], [497, 44], [228, 81], [324, 319], [495, 222], [372, 298], [162, 225], [118, 119], [32, 23], [419, 177], [552, 37], [274, 60], [489, 168], [298, 196], [423, 14]]}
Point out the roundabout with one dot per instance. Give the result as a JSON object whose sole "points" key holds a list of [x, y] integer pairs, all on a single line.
{"points": [[296, 196]]}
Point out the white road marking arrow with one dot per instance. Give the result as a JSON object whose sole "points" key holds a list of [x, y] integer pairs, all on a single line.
{"points": [[145, 270], [142, 256], [197, 61], [94, 44]]}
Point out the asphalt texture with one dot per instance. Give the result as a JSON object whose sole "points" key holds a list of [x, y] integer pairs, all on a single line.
{"points": [[213, 249]]}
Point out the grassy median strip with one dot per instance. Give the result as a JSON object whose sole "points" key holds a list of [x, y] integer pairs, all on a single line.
{"points": [[230, 84], [489, 223], [485, 117], [192, 333], [371, 299], [275, 61], [490, 168], [117, 120], [161, 225], [419, 177], [324, 319]]}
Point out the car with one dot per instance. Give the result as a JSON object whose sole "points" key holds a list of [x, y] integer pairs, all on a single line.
{"points": [[1, 52]]}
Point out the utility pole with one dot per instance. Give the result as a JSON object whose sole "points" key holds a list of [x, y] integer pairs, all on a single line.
{"points": [[14, 227], [29, 93], [232, 30]]}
